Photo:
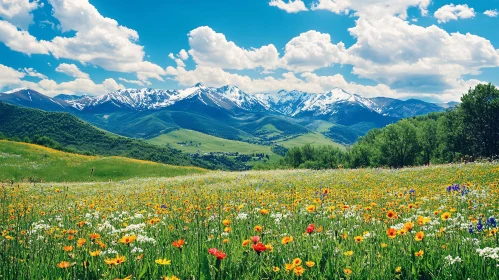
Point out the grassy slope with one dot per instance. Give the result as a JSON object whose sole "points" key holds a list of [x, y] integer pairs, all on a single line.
{"points": [[315, 139], [21, 161], [209, 143]]}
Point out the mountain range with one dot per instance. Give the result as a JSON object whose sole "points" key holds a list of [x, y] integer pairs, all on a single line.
{"points": [[228, 112]]}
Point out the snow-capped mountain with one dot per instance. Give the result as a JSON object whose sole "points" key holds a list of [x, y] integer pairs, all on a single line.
{"points": [[31, 98], [227, 97]]}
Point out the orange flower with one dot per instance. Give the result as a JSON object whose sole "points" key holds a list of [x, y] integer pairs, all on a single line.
{"points": [[226, 222], [419, 236], [391, 232], [299, 271], [347, 271], [179, 243], [68, 248], [419, 253], [63, 265], [94, 236], [258, 228], [246, 242], [297, 262], [358, 239], [95, 253], [81, 242], [286, 239], [391, 215], [264, 211], [115, 261], [311, 208], [408, 226]]}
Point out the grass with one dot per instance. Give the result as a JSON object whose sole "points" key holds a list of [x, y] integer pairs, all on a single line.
{"points": [[21, 161], [296, 224], [206, 143], [316, 139]]}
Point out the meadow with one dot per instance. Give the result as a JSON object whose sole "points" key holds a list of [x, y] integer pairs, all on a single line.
{"points": [[435, 222], [35, 163]]}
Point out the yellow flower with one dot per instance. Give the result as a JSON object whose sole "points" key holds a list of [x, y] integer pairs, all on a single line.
{"points": [[226, 222], [311, 208], [286, 239], [163, 261], [445, 216], [68, 248], [115, 261], [173, 277], [348, 253], [264, 211], [398, 269], [276, 269], [258, 228], [246, 242], [347, 271], [289, 267], [384, 245], [269, 247], [419, 253], [359, 239], [81, 242], [95, 253], [127, 239], [309, 263], [297, 262]]}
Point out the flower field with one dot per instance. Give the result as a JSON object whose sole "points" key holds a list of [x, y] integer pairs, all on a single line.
{"points": [[435, 222]]}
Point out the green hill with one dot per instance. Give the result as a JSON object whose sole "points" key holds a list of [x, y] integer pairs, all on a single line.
{"points": [[316, 139], [193, 141], [74, 134], [29, 162]]}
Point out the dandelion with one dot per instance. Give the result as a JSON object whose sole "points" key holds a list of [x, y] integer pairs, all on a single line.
{"points": [[163, 261]]}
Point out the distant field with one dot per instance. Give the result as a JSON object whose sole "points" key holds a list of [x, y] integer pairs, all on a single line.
{"points": [[316, 139], [21, 161], [206, 143]]}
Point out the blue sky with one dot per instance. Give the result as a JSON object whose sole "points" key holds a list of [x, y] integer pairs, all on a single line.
{"points": [[432, 50]]}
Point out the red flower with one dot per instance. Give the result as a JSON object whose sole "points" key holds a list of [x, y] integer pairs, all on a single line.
{"points": [[220, 255], [259, 247], [255, 239], [310, 228], [213, 251], [179, 243]]}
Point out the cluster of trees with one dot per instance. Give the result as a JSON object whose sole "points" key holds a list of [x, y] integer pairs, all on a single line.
{"points": [[465, 133]]}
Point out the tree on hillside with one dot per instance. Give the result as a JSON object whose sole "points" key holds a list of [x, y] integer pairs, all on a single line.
{"points": [[480, 111]]}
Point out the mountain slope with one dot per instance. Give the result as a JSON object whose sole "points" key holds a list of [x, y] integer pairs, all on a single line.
{"points": [[30, 98], [73, 133]]}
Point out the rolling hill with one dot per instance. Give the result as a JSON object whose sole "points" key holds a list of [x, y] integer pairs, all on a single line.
{"points": [[29, 162]]}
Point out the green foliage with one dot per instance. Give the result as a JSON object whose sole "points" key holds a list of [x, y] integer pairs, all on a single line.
{"points": [[66, 132], [468, 132]]}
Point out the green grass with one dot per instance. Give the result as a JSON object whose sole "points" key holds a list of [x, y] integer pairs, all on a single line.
{"points": [[320, 126], [316, 139], [208, 143], [21, 161]]}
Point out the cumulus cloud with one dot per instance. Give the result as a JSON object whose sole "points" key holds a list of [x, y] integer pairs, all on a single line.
{"points": [[209, 48], [71, 70], [183, 54], [20, 40], [312, 50], [454, 12], [491, 13], [291, 6], [372, 8], [403, 55], [18, 12]]}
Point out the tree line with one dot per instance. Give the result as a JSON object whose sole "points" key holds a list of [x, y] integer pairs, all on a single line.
{"points": [[467, 132]]}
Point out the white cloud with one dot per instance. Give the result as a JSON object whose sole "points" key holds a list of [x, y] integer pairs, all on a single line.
{"points": [[136, 82], [403, 55], [312, 50], [33, 73], [491, 13], [183, 54], [18, 12], [12, 78], [292, 6], [71, 70], [372, 8], [21, 41], [212, 49], [454, 12]]}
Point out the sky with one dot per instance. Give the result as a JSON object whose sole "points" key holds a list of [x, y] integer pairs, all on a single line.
{"points": [[432, 50]]}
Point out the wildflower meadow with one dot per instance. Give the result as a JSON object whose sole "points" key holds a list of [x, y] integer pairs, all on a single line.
{"points": [[436, 222]]}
